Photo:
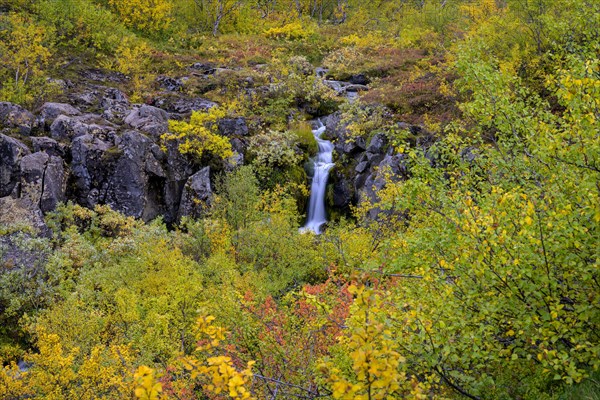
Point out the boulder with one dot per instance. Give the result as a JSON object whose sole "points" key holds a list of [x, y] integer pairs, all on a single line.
{"points": [[115, 104], [197, 195], [49, 146], [148, 119], [377, 144], [13, 116], [352, 146], [11, 153], [362, 166], [321, 72], [50, 111]]}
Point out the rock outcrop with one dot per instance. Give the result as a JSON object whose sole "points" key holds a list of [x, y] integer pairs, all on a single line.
{"points": [[113, 157], [364, 167]]}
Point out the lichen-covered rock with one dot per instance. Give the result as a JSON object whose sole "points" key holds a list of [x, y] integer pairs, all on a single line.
{"points": [[50, 111], [137, 184], [11, 153], [20, 212], [183, 105], [50, 146], [67, 128], [233, 127], [43, 180], [170, 84], [13, 116]]}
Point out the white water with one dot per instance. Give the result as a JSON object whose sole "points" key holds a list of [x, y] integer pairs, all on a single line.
{"points": [[322, 165]]}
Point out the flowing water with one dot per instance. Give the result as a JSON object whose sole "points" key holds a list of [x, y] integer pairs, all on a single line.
{"points": [[322, 165]]}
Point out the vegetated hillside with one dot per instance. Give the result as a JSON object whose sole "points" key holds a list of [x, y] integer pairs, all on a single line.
{"points": [[154, 169]]}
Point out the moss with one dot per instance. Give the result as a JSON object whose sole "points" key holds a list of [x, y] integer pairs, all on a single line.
{"points": [[306, 138], [112, 155]]}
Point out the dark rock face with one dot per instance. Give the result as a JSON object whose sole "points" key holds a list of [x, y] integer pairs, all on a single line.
{"points": [[13, 116], [91, 168], [232, 127], [101, 149], [197, 195], [131, 184], [179, 169], [359, 79], [11, 153], [343, 191]]}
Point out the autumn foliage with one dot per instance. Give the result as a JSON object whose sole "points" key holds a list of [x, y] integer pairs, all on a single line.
{"points": [[472, 274]]}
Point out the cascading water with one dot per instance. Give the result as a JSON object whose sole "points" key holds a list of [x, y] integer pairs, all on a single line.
{"points": [[322, 165]]}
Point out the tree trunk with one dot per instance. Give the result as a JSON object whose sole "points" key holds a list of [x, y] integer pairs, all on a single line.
{"points": [[218, 18]]}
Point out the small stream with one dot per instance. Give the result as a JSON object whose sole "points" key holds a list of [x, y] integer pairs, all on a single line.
{"points": [[316, 215]]}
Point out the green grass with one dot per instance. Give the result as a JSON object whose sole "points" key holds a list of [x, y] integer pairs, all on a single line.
{"points": [[588, 389]]}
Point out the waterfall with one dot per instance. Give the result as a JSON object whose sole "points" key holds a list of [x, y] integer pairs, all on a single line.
{"points": [[322, 164]]}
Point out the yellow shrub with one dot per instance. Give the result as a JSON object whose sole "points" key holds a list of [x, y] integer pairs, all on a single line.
{"points": [[292, 31], [24, 54], [199, 136], [132, 59], [147, 15]]}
